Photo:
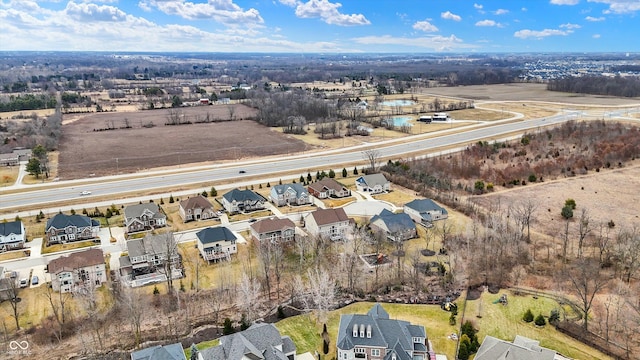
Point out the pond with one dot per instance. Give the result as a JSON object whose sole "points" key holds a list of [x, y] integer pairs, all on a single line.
{"points": [[398, 103]]}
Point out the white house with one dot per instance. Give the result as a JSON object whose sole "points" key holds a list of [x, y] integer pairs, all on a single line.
{"points": [[216, 243], [425, 211], [328, 223], [12, 235], [289, 194], [374, 184]]}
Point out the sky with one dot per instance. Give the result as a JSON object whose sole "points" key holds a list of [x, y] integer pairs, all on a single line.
{"points": [[321, 26]]}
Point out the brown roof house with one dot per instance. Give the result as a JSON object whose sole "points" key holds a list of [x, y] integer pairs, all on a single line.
{"points": [[274, 230], [328, 223], [79, 270], [328, 187], [196, 208]]}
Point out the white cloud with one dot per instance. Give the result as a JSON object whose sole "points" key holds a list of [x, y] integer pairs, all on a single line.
{"points": [[448, 15], [329, 13], [540, 34], [620, 6], [596, 36], [524, 9], [437, 42], [501, 11], [425, 26], [291, 3], [477, 6], [594, 19], [570, 26], [488, 22], [93, 12], [222, 11], [565, 2]]}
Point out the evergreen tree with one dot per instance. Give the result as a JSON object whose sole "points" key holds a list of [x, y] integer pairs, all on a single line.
{"points": [[332, 174], [213, 192], [344, 173], [355, 171]]}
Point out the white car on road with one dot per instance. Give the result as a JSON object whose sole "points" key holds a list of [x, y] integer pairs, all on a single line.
{"points": [[86, 192]]}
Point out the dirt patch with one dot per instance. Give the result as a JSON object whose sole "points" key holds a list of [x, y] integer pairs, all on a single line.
{"points": [[84, 151]]}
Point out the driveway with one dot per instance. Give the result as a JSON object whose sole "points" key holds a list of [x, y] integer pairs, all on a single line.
{"points": [[366, 208]]}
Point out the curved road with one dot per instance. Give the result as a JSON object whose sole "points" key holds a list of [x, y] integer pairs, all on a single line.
{"points": [[302, 163]]}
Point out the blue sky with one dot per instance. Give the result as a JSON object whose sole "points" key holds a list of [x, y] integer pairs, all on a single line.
{"points": [[325, 26]]}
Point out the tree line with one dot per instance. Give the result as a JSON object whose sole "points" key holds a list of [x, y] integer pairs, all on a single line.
{"points": [[598, 85]]}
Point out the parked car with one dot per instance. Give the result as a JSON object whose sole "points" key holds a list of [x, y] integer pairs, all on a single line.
{"points": [[85, 193], [34, 280], [242, 172], [24, 283]]}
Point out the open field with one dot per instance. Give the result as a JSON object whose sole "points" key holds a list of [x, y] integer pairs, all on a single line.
{"points": [[8, 175]]}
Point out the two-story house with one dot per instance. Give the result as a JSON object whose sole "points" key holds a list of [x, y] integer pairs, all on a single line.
{"points": [[373, 183], [274, 230], [425, 211], [375, 336], [259, 341], [237, 200], [79, 270], [63, 228], [397, 227], [141, 217], [216, 243], [12, 235], [149, 259], [289, 194], [328, 187], [332, 224], [196, 208]]}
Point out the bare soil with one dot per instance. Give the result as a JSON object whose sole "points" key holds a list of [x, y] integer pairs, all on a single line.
{"points": [[84, 150]]}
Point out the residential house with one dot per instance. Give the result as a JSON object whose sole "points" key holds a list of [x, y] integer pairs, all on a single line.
{"points": [[15, 156], [63, 228], [196, 208], [237, 200], [216, 243], [12, 235], [141, 217], [328, 187], [160, 352], [376, 336], [78, 270], [397, 227], [289, 194], [329, 223], [259, 341], [425, 211], [521, 348], [374, 184], [7, 286], [150, 258], [274, 230]]}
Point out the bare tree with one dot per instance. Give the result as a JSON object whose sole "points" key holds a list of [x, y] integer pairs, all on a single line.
{"points": [[373, 157], [14, 300], [265, 254], [248, 297], [134, 305], [95, 317], [587, 281], [169, 257], [321, 292], [526, 212], [58, 302], [584, 228]]}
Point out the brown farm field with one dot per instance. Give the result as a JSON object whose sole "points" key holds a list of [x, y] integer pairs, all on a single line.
{"points": [[84, 151]]}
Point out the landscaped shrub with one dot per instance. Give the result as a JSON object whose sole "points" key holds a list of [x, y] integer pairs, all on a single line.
{"points": [[540, 321], [228, 327], [554, 316], [528, 316]]}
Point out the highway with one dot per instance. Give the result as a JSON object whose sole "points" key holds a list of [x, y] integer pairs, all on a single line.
{"points": [[313, 162]]}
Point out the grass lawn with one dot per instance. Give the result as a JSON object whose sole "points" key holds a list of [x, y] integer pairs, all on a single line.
{"points": [[8, 175], [12, 255], [69, 246], [201, 346], [505, 322]]}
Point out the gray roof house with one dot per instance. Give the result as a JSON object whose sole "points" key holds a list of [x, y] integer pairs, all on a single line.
{"points": [[238, 200], [289, 194], [64, 228], [216, 243], [521, 348], [147, 257], [141, 217], [425, 211], [160, 352], [12, 235], [260, 341], [375, 335], [374, 184], [397, 227]]}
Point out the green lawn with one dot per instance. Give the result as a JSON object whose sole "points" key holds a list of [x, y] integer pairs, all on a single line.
{"points": [[505, 322]]}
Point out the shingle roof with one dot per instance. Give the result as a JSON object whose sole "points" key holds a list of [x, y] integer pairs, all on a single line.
{"points": [[159, 352], [329, 216], [395, 222], [424, 205], [214, 234], [522, 348], [328, 183], [11, 227], [242, 195], [196, 202], [373, 179], [260, 341], [134, 211], [299, 189], [272, 224], [61, 221], [76, 260], [150, 244]]}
